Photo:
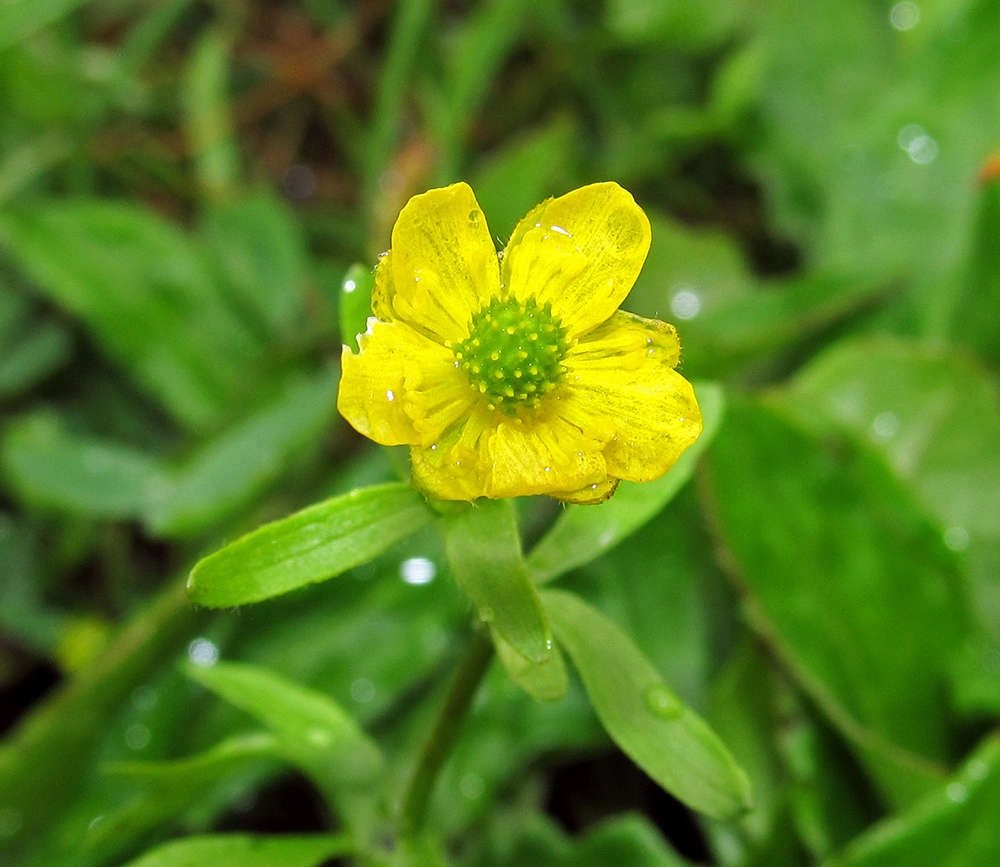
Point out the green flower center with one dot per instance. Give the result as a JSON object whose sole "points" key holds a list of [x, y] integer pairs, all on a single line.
{"points": [[514, 353]]}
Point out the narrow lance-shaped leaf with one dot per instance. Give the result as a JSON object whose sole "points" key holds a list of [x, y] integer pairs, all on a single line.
{"points": [[231, 468], [312, 545], [643, 715], [244, 850], [312, 730], [168, 788], [583, 533], [484, 549], [955, 825]]}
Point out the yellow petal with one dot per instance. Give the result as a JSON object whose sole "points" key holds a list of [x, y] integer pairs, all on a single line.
{"points": [[457, 465], [580, 252], [542, 458], [443, 263], [494, 456], [383, 290], [590, 495], [621, 386], [402, 388]]}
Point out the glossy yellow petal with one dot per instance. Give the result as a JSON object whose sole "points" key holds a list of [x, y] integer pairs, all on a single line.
{"points": [[402, 388], [443, 263], [581, 253], [590, 495], [542, 458], [383, 290], [621, 386], [457, 465], [495, 456]]}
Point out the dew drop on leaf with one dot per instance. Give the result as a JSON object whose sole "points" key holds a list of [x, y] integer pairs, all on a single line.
{"points": [[662, 702]]}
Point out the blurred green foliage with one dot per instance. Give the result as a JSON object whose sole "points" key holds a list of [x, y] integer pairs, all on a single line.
{"points": [[191, 195]]}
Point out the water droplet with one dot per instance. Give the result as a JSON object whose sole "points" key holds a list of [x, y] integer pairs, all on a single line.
{"points": [[957, 793], [144, 698], [923, 150], [686, 303], [11, 821], [203, 652], [978, 769], [389, 396], [95, 822], [362, 690], [350, 285], [661, 701], [904, 15], [472, 786], [319, 737], [956, 538], [299, 182], [137, 736], [885, 426], [561, 231], [417, 570]]}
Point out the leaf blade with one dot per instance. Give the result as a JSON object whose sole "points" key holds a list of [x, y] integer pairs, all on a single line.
{"points": [[642, 715], [312, 545]]}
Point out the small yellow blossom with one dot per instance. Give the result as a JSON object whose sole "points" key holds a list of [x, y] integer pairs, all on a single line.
{"points": [[517, 374]]}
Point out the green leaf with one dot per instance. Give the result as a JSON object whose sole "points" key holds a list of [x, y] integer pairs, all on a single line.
{"points": [[262, 256], [31, 346], [584, 532], [933, 414], [50, 466], [243, 850], [525, 171], [976, 308], [208, 117], [20, 19], [312, 545], [631, 840], [47, 761], [142, 288], [484, 549], [230, 469], [544, 681], [955, 826], [833, 555], [355, 303], [168, 788], [643, 715], [312, 731]]}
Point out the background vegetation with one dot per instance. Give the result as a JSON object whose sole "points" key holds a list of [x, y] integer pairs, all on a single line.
{"points": [[183, 189]]}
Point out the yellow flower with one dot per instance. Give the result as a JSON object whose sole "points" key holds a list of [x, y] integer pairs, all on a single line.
{"points": [[519, 375]]}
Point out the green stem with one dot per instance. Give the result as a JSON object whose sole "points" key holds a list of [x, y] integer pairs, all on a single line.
{"points": [[469, 675]]}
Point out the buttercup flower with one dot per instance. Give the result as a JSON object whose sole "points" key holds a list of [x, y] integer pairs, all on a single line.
{"points": [[517, 374]]}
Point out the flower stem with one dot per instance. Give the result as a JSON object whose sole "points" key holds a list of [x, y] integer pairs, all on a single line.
{"points": [[469, 675]]}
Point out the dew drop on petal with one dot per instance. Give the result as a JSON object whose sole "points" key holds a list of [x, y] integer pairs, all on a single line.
{"points": [[389, 395]]}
